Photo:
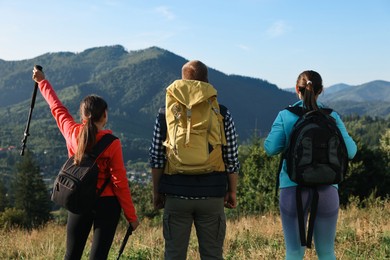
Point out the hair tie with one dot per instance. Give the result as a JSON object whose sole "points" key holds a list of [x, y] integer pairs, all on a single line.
{"points": [[308, 82]]}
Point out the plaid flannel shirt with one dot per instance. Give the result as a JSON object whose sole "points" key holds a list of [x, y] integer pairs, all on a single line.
{"points": [[157, 156]]}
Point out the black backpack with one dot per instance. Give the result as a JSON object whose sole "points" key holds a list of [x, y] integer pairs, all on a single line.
{"points": [[75, 185], [316, 155]]}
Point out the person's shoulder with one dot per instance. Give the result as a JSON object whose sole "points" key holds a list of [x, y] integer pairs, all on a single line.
{"points": [[161, 110], [329, 110], [108, 135], [161, 114], [294, 109], [223, 109], [103, 132], [161, 118], [335, 115]]}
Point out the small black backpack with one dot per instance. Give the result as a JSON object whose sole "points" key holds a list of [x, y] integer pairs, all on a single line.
{"points": [[316, 155], [75, 185]]}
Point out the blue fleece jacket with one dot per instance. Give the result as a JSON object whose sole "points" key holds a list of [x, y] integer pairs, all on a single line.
{"points": [[277, 140]]}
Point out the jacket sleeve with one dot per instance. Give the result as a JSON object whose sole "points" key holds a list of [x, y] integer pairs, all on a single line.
{"points": [[276, 139], [157, 150], [64, 119], [120, 183], [230, 150], [349, 142]]}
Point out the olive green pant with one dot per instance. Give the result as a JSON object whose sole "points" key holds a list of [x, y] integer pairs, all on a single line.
{"points": [[209, 219]]}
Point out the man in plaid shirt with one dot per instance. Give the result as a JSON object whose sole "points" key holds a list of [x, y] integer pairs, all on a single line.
{"points": [[198, 199]]}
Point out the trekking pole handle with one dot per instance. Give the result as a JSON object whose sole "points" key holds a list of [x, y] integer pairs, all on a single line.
{"points": [[26, 131], [37, 67]]}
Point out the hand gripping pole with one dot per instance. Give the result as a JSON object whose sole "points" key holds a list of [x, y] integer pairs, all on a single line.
{"points": [[26, 131]]}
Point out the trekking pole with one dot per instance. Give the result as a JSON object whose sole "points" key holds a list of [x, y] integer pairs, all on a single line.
{"points": [[128, 233], [26, 131]]}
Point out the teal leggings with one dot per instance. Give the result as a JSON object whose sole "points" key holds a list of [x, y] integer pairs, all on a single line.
{"points": [[324, 226]]}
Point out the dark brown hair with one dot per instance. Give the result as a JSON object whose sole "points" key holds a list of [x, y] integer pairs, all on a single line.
{"points": [[92, 109], [195, 70], [309, 85]]}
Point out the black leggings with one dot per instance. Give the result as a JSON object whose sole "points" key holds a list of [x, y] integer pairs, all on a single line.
{"points": [[104, 222]]}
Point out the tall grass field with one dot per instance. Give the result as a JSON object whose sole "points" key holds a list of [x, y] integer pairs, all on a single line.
{"points": [[362, 233]]}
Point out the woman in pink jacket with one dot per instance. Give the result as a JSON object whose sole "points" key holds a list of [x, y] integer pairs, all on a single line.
{"points": [[116, 196]]}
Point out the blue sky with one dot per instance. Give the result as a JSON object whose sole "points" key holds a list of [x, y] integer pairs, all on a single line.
{"points": [[346, 41]]}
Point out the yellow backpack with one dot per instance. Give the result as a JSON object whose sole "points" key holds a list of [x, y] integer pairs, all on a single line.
{"points": [[195, 130]]}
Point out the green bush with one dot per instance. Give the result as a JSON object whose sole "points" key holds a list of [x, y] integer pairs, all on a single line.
{"points": [[12, 217]]}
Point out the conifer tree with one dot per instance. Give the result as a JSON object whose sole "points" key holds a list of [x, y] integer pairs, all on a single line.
{"points": [[30, 192], [384, 145], [257, 183], [3, 196]]}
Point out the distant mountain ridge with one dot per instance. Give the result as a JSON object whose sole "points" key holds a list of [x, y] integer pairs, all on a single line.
{"points": [[133, 83], [371, 98], [336, 88], [378, 90]]}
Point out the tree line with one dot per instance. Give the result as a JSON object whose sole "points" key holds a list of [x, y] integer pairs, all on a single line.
{"points": [[25, 197]]}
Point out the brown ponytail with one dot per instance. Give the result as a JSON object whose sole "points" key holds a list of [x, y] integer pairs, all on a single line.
{"points": [[309, 85], [92, 109]]}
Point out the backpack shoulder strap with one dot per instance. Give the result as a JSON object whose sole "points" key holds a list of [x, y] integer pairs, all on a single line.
{"points": [[306, 241], [98, 149], [300, 111], [103, 143], [277, 183], [327, 111], [223, 110], [297, 110]]}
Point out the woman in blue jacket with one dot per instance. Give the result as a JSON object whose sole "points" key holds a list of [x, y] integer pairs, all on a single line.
{"points": [[308, 88]]}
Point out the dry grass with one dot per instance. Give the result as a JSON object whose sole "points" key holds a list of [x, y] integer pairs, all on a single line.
{"points": [[361, 234]]}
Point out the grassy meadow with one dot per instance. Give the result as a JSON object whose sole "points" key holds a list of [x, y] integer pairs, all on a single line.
{"points": [[361, 234]]}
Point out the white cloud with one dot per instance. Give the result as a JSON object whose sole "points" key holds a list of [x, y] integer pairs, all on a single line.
{"points": [[165, 12], [243, 47], [277, 29]]}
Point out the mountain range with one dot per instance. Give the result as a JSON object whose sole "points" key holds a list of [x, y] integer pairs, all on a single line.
{"points": [[371, 98], [133, 84]]}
